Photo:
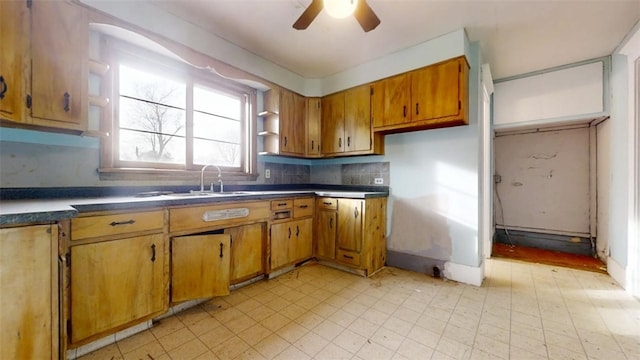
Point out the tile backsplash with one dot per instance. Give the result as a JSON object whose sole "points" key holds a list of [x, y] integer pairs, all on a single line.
{"points": [[287, 173], [339, 174]]}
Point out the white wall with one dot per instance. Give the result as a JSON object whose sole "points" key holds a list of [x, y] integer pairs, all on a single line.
{"points": [[563, 96], [545, 183]]}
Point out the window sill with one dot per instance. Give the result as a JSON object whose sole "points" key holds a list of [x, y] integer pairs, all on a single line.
{"points": [[167, 175]]}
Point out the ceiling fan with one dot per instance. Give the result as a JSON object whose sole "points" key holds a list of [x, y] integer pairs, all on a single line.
{"points": [[359, 8]]}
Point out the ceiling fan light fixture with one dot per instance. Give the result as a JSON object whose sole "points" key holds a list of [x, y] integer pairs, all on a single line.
{"points": [[340, 9]]}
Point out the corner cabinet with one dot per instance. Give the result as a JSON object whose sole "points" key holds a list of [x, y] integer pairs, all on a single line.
{"points": [[44, 64], [314, 114], [29, 283], [432, 97], [352, 232], [346, 124]]}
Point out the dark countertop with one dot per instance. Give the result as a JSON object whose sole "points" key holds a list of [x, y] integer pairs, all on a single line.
{"points": [[46, 208]]}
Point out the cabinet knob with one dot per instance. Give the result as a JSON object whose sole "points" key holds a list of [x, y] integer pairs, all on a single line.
{"points": [[331, 223], [289, 233], [312, 145], [348, 141], [339, 142], [4, 87], [297, 230], [417, 108], [355, 211], [153, 252], [221, 249], [404, 110]]}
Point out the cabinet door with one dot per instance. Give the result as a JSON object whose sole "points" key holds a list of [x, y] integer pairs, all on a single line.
{"points": [[350, 224], [435, 91], [332, 126], [357, 119], [59, 49], [291, 242], [200, 266], [292, 119], [280, 238], [314, 112], [14, 36], [28, 279], [397, 99], [116, 282], [246, 251], [326, 225], [302, 246]]}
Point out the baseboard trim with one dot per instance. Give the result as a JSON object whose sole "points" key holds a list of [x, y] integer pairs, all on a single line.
{"points": [[472, 275], [617, 272], [421, 264]]}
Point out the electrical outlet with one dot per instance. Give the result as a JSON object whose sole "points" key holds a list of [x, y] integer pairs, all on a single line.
{"points": [[267, 174], [378, 181], [497, 178]]}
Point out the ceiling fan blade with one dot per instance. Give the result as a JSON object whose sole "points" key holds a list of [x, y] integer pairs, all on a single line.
{"points": [[308, 15], [365, 16]]}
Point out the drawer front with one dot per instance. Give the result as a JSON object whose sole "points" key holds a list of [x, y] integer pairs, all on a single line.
{"points": [[348, 257], [198, 217], [302, 207], [115, 224], [281, 204], [327, 203]]}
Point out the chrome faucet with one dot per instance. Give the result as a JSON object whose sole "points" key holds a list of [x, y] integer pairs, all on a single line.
{"points": [[219, 178]]}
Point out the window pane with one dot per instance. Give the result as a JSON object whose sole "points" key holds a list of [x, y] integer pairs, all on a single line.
{"points": [[216, 128], [217, 103], [150, 147], [151, 117], [215, 152], [143, 85]]}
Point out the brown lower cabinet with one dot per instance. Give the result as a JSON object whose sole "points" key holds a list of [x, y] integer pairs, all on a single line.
{"points": [[200, 266], [352, 232], [29, 285], [247, 251], [114, 283], [126, 267]]}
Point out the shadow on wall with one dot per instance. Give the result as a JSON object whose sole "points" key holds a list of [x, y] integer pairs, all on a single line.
{"points": [[419, 228]]}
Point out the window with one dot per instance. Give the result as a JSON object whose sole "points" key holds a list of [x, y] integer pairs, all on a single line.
{"points": [[169, 116]]}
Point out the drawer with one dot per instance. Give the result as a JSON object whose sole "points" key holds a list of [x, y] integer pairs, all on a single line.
{"points": [[199, 217], [302, 207], [327, 203], [116, 224], [281, 204], [348, 257]]}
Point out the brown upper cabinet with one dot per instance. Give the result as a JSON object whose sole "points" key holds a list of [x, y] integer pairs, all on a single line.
{"points": [[14, 35], [346, 123], [432, 97], [314, 113], [52, 86]]}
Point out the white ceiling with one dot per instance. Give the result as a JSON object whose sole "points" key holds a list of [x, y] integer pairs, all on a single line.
{"points": [[516, 36]]}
